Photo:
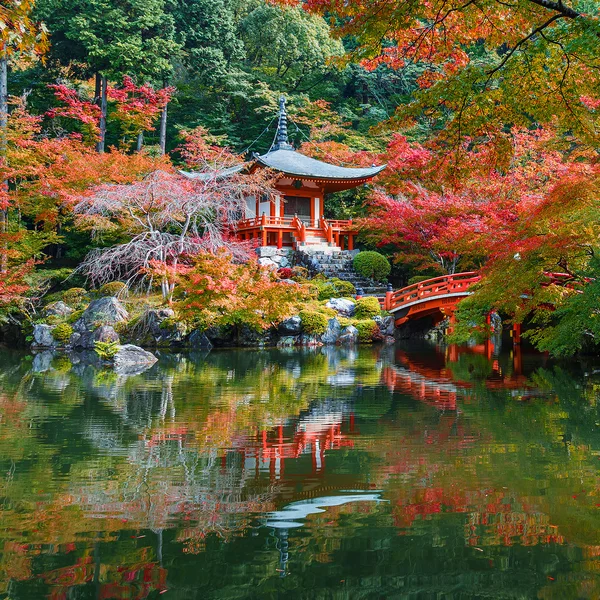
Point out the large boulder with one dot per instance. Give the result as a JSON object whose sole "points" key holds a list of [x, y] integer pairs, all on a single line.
{"points": [[291, 326], [58, 309], [87, 339], [349, 336], [131, 359], [163, 328], [198, 339], [331, 335], [221, 336], [42, 336], [250, 337], [104, 311], [387, 325], [343, 306]]}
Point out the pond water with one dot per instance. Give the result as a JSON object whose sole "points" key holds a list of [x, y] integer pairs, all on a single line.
{"points": [[384, 472]]}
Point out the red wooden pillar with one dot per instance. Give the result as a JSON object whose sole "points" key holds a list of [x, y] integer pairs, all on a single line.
{"points": [[387, 304], [516, 333], [517, 361], [280, 239], [350, 242]]}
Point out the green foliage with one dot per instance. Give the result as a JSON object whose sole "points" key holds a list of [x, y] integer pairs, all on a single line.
{"points": [[62, 332], [313, 322], [372, 265], [367, 329], [114, 288], [575, 325], [75, 297], [106, 350], [75, 316], [470, 323], [367, 308], [333, 288]]}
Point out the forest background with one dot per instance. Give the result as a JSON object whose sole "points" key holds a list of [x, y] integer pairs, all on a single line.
{"points": [[485, 112]]}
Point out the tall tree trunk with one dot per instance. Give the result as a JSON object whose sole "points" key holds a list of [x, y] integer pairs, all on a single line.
{"points": [[162, 142], [3, 142], [140, 141], [103, 109]]}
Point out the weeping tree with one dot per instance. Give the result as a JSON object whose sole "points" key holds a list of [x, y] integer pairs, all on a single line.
{"points": [[167, 217]]}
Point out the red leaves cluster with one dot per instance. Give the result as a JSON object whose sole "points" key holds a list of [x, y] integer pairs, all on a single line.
{"points": [[438, 213]]}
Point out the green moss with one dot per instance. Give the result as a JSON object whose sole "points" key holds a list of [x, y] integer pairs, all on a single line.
{"points": [[62, 333], [367, 308], [75, 316], [372, 265], [53, 319], [313, 322]]}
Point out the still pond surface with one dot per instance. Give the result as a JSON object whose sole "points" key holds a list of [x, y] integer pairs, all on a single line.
{"points": [[387, 472]]}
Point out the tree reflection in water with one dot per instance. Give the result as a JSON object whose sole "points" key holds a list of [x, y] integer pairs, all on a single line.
{"points": [[381, 471]]}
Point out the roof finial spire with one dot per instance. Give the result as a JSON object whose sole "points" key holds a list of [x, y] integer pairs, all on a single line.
{"points": [[282, 142]]}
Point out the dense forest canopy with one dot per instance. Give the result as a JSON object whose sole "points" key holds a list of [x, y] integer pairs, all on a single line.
{"points": [[485, 111]]}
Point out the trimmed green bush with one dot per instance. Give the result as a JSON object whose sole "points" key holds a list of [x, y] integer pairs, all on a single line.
{"points": [[62, 333], [366, 330], [367, 308], [313, 323], [335, 288], [372, 265], [114, 288]]}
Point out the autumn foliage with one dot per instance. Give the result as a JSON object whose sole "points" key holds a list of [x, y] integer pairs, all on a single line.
{"points": [[220, 291]]}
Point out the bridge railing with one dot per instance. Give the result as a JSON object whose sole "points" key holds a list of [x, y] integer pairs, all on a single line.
{"points": [[430, 288]]}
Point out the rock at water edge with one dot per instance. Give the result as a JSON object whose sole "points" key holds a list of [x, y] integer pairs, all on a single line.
{"points": [[132, 359]]}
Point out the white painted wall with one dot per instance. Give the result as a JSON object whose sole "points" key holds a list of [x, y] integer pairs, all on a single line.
{"points": [[317, 208]]}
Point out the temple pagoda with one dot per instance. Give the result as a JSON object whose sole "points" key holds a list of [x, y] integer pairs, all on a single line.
{"points": [[293, 217]]}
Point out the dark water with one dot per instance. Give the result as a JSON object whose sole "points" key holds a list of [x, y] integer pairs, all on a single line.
{"points": [[379, 473]]}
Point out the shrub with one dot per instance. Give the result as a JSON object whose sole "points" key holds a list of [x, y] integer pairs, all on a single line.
{"points": [[367, 308], [367, 329], [418, 279], [106, 350], [372, 265], [334, 288], [313, 322], [299, 273], [53, 319], [62, 333], [75, 296], [114, 288], [284, 273]]}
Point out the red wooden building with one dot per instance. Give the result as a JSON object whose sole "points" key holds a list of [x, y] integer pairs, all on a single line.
{"points": [[294, 216]]}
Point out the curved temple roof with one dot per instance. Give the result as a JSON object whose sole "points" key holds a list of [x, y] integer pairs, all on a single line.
{"points": [[293, 163]]}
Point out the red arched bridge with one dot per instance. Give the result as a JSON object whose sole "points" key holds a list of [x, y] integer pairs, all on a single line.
{"points": [[435, 297]]}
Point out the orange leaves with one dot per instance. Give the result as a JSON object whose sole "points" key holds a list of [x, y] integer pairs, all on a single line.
{"points": [[222, 292]]}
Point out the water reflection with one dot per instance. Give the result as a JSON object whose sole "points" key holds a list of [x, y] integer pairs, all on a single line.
{"points": [[328, 472]]}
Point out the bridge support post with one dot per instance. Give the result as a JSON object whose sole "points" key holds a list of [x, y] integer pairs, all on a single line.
{"points": [[516, 333]]}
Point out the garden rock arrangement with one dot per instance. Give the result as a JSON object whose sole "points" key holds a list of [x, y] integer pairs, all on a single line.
{"points": [[275, 258], [106, 323], [339, 264]]}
